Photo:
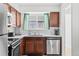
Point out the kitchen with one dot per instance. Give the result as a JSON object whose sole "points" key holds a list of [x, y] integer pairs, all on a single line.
{"points": [[36, 29]]}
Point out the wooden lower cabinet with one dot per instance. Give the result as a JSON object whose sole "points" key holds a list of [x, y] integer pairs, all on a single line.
{"points": [[29, 46], [22, 46], [40, 46], [33, 46]]}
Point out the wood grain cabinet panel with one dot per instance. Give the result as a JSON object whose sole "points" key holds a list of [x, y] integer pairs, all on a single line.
{"points": [[35, 46], [39, 46], [32, 46], [16, 15], [13, 12], [22, 46], [29, 46], [18, 20], [54, 19]]}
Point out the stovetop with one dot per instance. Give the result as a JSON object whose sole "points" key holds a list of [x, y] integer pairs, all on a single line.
{"points": [[10, 41]]}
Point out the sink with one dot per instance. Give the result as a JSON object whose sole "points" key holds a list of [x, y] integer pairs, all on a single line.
{"points": [[36, 35]]}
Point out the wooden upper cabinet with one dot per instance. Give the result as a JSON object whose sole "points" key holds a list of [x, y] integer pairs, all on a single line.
{"points": [[13, 12], [16, 16], [18, 20], [54, 19]]}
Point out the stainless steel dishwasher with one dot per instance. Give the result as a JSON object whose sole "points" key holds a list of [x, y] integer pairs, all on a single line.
{"points": [[54, 46]]}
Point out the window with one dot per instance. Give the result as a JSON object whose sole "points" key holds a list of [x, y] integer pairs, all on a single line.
{"points": [[37, 21], [25, 23]]}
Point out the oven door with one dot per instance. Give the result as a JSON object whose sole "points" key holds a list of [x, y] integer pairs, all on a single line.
{"points": [[16, 50]]}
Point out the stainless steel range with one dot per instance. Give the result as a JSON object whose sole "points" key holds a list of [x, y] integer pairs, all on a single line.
{"points": [[13, 47]]}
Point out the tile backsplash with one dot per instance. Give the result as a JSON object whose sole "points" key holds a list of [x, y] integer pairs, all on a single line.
{"points": [[50, 31], [17, 30]]}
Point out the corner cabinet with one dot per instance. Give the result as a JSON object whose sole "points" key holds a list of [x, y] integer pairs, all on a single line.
{"points": [[54, 19]]}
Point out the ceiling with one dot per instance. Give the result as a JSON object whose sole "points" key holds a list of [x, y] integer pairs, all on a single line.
{"points": [[36, 7], [37, 4]]}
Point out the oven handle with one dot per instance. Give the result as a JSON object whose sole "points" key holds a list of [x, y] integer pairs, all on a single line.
{"points": [[16, 46], [15, 41]]}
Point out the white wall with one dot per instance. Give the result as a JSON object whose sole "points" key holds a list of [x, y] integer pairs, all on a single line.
{"points": [[36, 7], [75, 29], [40, 9], [62, 28], [65, 27]]}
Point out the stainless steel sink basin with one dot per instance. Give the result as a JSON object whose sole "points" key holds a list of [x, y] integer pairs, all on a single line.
{"points": [[36, 35]]}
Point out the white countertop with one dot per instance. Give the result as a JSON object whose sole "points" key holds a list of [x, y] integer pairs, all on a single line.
{"points": [[21, 36]]}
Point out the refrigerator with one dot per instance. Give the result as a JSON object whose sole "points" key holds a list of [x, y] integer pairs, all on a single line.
{"points": [[3, 32]]}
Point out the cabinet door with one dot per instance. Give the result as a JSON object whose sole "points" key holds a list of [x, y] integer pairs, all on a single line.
{"points": [[22, 47], [29, 46], [40, 46], [54, 19], [18, 20], [13, 12]]}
